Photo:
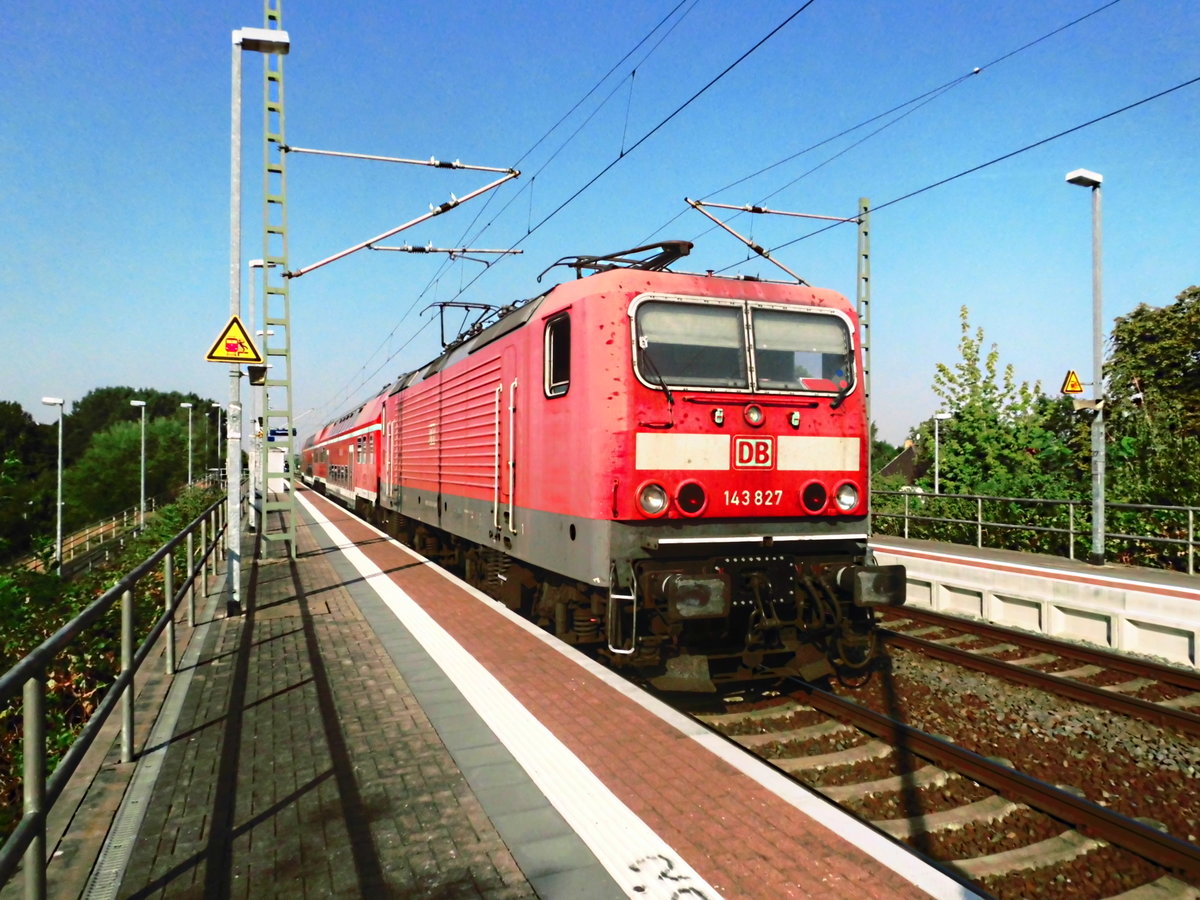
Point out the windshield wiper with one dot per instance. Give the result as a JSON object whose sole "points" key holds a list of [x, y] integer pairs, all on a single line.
{"points": [[841, 395], [662, 382]]}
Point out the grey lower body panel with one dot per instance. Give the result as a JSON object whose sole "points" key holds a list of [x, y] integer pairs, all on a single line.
{"points": [[585, 549]]}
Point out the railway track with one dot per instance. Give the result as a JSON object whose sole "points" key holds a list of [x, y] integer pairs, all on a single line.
{"points": [[899, 767], [1057, 667]]}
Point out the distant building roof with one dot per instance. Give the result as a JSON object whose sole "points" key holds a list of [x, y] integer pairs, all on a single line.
{"points": [[905, 463]]}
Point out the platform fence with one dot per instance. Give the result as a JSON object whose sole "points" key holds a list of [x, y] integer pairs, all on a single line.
{"points": [[27, 680], [1162, 537]]}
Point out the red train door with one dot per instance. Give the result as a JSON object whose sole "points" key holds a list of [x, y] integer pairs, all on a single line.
{"points": [[505, 518], [392, 460]]}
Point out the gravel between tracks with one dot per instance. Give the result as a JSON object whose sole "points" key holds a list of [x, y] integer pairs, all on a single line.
{"points": [[1130, 766], [1133, 767]]}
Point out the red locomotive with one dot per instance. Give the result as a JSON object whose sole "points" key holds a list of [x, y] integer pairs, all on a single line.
{"points": [[667, 468]]}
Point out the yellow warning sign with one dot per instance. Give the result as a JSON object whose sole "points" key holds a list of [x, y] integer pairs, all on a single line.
{"points": [[234, 346], [1072, 384]]}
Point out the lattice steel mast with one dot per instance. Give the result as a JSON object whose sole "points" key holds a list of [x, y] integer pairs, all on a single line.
{"points": [[277, 421]]}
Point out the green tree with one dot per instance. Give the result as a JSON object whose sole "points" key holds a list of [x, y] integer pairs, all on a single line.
{"points": [[27, 462], [107, 478], [1153, 403], [998, 439], [34, 605], [104, 407], [882, 452]]}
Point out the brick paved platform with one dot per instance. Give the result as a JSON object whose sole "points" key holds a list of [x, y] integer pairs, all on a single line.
{"points": [[302, 765], [368, 727]]}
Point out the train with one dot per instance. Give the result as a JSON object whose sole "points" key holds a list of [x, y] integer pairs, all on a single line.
{"points": [[668, 470]]}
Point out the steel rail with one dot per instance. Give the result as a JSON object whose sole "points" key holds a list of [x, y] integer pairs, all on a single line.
{"points": [[1172, 675], [1163, 716], [1094, 820]]}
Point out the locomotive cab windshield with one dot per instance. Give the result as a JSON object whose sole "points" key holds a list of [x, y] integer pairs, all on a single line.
{"points": [[741, 346]]}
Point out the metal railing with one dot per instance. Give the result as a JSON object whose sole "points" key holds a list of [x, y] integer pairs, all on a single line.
{"points": [[83, 540], [28, 679], [1141, 534], [95, 535]]}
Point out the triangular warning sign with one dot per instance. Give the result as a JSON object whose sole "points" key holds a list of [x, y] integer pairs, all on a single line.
{"points": [[234, 346], [1071, 384]]}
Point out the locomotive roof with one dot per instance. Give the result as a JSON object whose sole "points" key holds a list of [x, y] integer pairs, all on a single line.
{"points": [[510, 321], [521, 312], [614, 278]]}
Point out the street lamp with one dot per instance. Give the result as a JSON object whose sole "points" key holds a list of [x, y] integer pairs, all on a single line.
{"points": [[258, 40], [216, 411], [1093, 180], [142, 505], [58, 548], [188, 407], [937, 482], [257, 397], [258, 426]]}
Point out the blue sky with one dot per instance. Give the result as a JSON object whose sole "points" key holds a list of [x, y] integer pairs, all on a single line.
{"points": [[114, 166]]}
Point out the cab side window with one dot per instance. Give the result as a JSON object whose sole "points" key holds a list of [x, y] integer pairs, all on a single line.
{"points": [[558, 356]]}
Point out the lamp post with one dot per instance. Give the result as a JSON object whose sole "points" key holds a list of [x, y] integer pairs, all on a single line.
{"points": [[215, 409], [142, 493], [188, 407], [258, 464], [58, 547], [258, 40], [255, 405], [1093, 180], [937, 479]]}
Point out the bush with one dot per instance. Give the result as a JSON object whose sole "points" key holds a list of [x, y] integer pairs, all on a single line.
{"points": [[34, 605]]}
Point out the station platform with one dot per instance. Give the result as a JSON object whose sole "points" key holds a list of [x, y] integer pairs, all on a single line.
{"points": [[369, 726]]}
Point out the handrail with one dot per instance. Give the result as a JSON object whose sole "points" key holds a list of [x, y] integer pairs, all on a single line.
{"points": [[80, 540], [1185, 517], [28, 839]]}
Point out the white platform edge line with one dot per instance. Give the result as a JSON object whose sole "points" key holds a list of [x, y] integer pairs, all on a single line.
{"points": [[622, 842], [1063, 574]]}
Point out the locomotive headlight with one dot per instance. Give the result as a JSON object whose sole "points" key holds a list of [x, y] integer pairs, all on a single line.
{"points": [[652, 499], [754, 415], [847, 497]]}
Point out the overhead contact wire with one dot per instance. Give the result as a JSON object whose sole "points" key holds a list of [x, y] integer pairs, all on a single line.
{"points": [[830, 159], [483, 208], [931, 94], [991, 162], [650, 133]]}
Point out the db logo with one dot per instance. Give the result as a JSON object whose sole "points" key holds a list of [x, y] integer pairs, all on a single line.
{"points": [[753, 452]]}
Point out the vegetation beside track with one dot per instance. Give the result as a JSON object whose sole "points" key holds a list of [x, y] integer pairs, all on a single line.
{"points": [[35, 604]]}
